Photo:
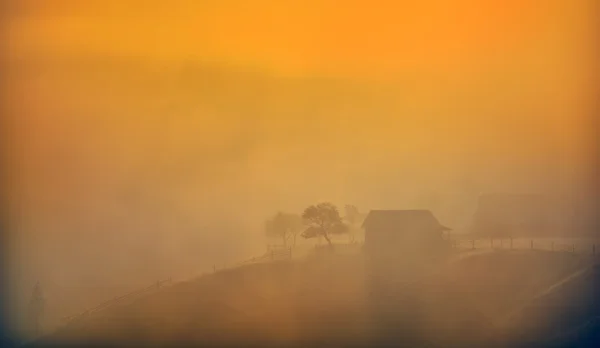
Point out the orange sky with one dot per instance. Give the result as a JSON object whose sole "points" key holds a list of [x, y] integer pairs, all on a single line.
{"points": [[520, 64], [147, 138], [497, 77], [296, 37]]}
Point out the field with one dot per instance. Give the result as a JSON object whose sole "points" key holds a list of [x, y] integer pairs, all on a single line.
{"points": [[331, 299]]}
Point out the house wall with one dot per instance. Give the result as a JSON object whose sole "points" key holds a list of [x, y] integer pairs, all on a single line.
{"points": [[391, 243]]}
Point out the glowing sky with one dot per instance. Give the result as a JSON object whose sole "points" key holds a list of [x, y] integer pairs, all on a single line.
{"points": [[131, 118], [467, 80], [506, 78], [358, 37]]}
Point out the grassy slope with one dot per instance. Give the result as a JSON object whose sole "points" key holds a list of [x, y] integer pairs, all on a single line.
{"points": [[567, 315], [325, 299]]}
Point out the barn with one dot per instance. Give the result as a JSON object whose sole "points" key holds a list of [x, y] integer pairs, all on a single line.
{"points": [[396, 233], [400, 245]]}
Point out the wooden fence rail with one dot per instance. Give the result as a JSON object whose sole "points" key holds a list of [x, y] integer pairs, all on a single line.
{"points": [[114, 301], [285, 253], [273, 254], [524, 244]]}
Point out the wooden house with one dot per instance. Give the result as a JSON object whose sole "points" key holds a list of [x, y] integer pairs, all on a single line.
{"points": [[398, 233]]}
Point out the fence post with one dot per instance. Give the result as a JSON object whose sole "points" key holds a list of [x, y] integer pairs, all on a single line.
{"points": [[473, 244], [573, 248], [531, 244]]}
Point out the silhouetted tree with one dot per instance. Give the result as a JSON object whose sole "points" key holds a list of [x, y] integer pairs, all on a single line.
{"points": [[284, 226], [323, 219], [352, 214], [352, 217], [295, 223]]}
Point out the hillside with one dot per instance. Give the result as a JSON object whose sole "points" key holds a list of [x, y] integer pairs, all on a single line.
{"points": [[565, 315], [325, 299]]}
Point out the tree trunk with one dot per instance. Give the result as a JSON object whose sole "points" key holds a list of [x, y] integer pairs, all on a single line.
{"points": [[327, 239]]}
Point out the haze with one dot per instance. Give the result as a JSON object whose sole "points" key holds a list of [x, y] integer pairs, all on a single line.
{"points": [[147, 142]]}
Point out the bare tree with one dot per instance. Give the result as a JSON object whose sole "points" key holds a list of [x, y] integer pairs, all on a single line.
{"points": [[323, 219], [352, 217], [295, 223], [284, 226], [352, 214]]}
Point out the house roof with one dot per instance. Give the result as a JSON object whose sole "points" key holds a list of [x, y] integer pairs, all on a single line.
{"points": [[404, 219]]}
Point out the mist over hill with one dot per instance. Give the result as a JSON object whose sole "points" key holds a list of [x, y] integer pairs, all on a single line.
{"points": [[123, 171]]}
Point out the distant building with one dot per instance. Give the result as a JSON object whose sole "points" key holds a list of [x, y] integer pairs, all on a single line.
{"points": [[399, 246], [402, 233], [586, 217], [502, 215], [454, 208]]}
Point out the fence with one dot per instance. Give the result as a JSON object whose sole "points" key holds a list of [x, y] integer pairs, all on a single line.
{"points": [[279, 253], [339, 248], [277, 247], [114, 301], [273, 254], [573, 246]]}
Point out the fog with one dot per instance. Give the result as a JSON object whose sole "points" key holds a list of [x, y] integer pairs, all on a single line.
{"points": [[123, 173], [128, 168]]}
